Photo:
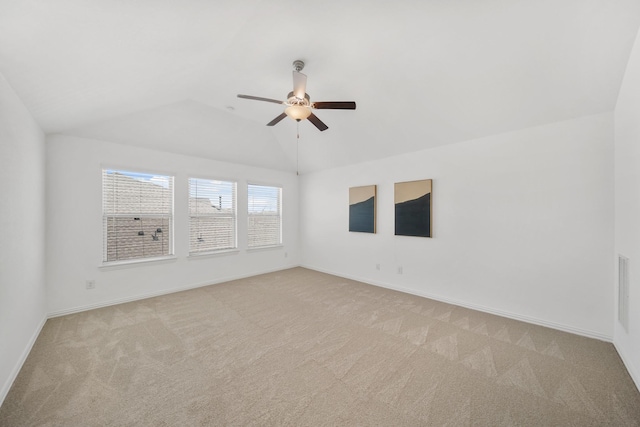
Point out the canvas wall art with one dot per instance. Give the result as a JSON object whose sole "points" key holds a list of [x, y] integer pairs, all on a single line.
{"points": [[362, 209], [413, 208]]}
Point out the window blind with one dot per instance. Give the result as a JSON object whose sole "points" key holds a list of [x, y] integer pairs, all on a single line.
{"points": [[264, 214], [212, 215], [137, 211]]}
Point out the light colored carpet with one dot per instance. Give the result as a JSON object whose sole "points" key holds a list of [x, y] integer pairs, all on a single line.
{"points": [[299, 348]]}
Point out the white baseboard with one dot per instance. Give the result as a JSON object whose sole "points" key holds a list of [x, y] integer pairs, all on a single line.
{"points": [[138, 297], [630, 367], [23, 357], [489, 310]]}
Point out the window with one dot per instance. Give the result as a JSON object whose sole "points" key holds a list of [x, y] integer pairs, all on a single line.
{"points": [[212, 215], [265, 218], [137, 212]]}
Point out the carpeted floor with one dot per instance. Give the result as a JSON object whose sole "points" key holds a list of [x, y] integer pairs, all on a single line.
{"points": [[300, 348]]}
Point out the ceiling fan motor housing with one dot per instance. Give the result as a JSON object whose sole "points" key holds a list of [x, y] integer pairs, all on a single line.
{"points": [[294, 100]]}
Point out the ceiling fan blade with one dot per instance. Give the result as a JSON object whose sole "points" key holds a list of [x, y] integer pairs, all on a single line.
{"points": [[257, 98], [317, 122], [277, 119], [299, 84], [335, 105]]}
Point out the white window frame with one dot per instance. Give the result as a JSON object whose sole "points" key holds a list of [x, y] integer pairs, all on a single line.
{"points": [[233, 215], [168, 215], [251, 216]]}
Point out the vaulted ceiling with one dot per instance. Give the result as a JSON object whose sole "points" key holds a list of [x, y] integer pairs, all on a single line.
{"points": [[165, 74]]}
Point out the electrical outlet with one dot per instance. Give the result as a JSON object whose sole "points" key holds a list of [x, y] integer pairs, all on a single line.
{"points": [[286, 255], [400, 269], [378, 266], [91, 284]]}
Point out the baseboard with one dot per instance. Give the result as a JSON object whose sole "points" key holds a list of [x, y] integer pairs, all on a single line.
{"points": [[489, 310], [138, 297], [23, 357], [627, 363]]}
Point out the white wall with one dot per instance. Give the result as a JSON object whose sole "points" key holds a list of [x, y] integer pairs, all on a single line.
{"points": [[74, 225], [627, 206], [22, 234], [522, 225]]}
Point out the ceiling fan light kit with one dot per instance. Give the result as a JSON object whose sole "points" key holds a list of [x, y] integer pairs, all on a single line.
{"points": [[298, 103], [297, 112]]}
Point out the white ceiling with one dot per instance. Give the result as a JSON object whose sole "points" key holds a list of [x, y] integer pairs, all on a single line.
{"points": [[162, 74]]}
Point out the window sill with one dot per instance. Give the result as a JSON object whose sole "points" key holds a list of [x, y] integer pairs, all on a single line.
{"points": [[201, 255], [265, 248], [116, 265]]}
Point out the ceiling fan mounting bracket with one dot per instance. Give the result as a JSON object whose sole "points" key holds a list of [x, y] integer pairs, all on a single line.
{"points": [[298, 65]]}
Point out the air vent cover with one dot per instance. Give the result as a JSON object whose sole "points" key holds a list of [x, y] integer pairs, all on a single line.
{"points": [[623, 291]]}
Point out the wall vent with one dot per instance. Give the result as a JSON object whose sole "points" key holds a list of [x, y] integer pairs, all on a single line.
{"points": [[623, 292]]}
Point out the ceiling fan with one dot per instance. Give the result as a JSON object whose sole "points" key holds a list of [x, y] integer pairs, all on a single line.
{"points": [[299, 104]]}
